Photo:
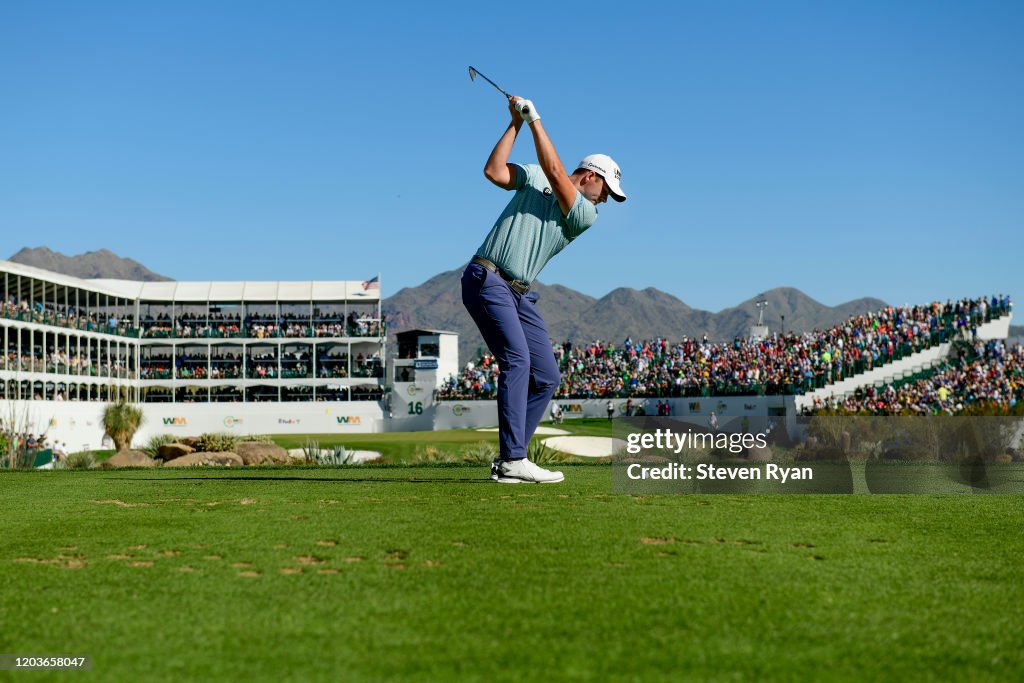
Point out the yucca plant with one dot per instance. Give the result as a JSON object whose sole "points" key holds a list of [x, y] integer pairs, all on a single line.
{"points": [[121, 420], [311, 450], [152, 448], [541, 454], [338, 455]]}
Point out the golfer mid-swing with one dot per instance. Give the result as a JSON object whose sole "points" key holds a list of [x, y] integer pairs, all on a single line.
{"points": [[550, 208]]}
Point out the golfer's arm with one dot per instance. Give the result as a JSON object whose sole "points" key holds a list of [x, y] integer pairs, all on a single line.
{"points": [[565, 191], [497, 169]]}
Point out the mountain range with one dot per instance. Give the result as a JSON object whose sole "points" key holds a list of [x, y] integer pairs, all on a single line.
{"points": [[92, 264], [570, 315]]}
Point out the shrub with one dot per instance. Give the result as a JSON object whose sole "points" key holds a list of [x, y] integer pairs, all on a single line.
{"points": [[258, 438], [339, 455], [482, 452], [311, 450], [542, 455], [152, 448], [81, 461], [428, 455], [217, 442]]}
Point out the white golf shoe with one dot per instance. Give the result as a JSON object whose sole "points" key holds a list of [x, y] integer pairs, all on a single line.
{"points": [[524, 472], [495, 464]]}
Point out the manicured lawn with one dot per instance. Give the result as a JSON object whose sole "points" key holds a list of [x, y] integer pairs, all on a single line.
{"points": [[399, 447], [435, 573]]}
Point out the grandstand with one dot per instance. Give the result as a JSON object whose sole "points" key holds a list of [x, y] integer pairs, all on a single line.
{"points": [[309, 357], [768, 376], [71, 341]]}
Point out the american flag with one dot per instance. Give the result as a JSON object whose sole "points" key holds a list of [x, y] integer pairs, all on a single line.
{"points": [[372, 283]]}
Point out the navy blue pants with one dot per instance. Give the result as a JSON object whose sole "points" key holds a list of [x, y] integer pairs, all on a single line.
{"points": [[517, 337]]}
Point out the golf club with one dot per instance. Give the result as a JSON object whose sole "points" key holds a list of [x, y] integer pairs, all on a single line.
{"points": [[473, 73]]}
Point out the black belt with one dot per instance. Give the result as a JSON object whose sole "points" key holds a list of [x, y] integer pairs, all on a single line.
{"points": [[520, 286]]}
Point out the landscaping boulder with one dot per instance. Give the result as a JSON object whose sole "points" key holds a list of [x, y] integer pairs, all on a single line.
{"points": [[128, 459], [259, 453], [203, 458], [758, 454], [170, 451]]}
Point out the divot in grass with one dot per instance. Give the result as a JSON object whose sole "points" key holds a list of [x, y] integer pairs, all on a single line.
{"points": [[120, 503], [61, 561]]}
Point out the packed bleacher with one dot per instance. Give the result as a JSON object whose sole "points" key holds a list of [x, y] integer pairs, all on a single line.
{"points": [[69, 317], [782, 364], [262, 326], [991, 375], [195, 326]]}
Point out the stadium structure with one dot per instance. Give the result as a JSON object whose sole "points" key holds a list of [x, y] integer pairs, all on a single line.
{"points": [[280, 357], [257, 357]]}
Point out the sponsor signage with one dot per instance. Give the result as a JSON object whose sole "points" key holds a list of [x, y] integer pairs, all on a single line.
{"points": [[230, 422], [175, 421], [413, 389], [459, 410], [348, 419], [572, 408], [425, 364], [288, 421]]}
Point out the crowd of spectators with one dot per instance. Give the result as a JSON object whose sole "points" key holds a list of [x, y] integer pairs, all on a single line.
{"points": [[262, 326], [26, 444], [63, 363], [992, 374], [69, 317], [782, 364], [195, 326]]}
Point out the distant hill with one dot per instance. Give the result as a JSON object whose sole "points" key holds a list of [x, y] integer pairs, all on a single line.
{"points": [[623, 312], [92, 264]]}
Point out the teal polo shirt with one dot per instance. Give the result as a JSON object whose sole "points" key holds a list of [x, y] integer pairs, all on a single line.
{"points": [[532, 229]]}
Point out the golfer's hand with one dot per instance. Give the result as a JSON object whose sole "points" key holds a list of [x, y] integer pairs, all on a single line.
{"points": [[516, 118], [526, 109]]}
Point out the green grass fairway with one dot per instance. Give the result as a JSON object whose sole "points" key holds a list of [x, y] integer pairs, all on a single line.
{"points": [[436, 573], [402, 447]]}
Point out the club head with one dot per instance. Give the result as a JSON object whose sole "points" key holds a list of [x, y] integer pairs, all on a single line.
{"points": [[472, 74]]}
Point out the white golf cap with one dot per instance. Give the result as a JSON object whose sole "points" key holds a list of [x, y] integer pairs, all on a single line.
{"points": [[605, 166]]}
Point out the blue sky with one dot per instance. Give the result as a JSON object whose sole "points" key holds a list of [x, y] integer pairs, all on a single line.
{"points": [[845, 148]]}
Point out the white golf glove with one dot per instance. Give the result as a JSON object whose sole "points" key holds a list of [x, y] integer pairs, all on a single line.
{"points": [[527, 111]]}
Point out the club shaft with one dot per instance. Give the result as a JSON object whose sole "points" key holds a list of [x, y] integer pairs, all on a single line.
{"points": [[498, 88]]}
